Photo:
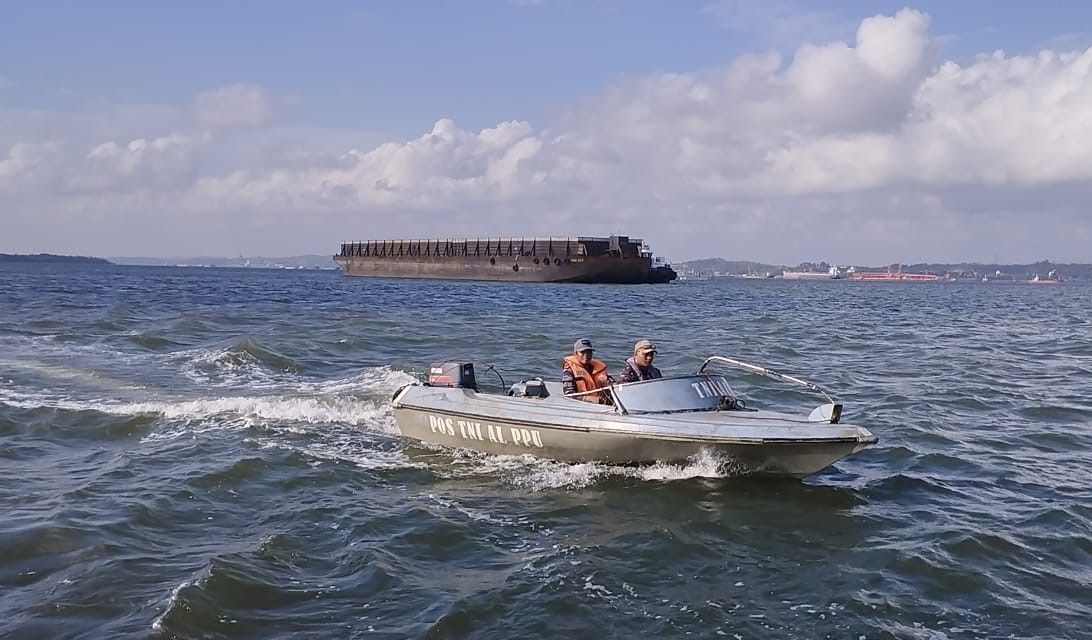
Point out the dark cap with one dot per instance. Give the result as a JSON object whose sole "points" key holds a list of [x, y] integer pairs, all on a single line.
{"points": [[582, 344]]}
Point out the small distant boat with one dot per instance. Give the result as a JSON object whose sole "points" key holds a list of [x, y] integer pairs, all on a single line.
{"points": [[998, 276], [1051, 278]]}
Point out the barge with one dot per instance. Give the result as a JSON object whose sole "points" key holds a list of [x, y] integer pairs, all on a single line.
{"points": [[610, 260]]}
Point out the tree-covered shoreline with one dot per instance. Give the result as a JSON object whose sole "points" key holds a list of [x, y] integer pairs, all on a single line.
{"points": [[51, 258]]}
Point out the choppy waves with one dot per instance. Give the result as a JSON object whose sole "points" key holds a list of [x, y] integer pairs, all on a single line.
{"points": [[178, 463]]}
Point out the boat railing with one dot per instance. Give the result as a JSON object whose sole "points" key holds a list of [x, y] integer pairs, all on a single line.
{"points": [[830, 412]]}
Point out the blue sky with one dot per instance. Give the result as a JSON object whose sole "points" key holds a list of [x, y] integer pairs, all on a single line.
{"points": [[292, 89], [397, 66]]}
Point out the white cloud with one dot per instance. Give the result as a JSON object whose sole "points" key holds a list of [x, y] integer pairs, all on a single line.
{"points": [[22, 158], [164, 163], [442, 168], [871, 150], [237, 105]]}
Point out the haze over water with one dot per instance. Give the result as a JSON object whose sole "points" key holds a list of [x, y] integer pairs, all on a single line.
{"points": [[210, 453]]}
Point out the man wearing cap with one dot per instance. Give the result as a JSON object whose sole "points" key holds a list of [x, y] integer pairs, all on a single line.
{"points": [[581, 372], [639, 367]]}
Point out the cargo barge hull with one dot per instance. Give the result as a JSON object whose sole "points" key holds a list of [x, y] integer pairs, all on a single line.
{"points": [[590, 270], [613, 260]]}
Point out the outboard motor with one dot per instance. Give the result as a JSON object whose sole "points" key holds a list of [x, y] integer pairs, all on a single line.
{"points": [[452, 374]]}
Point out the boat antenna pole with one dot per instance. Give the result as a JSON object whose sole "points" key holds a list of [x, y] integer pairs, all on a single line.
{"points": [[770, 373]]}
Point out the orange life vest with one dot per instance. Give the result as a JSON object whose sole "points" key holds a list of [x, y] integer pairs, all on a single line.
{"points": [[587, 380]]}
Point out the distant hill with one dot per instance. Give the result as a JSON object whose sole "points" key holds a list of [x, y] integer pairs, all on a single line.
{"points": [[51, 258], [731, 267], [309, 261]]}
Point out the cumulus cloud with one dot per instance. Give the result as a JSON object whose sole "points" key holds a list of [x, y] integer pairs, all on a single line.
{"points": [[164, 163], [237, 105], [869, 149], [443, 167], [23, 170]]}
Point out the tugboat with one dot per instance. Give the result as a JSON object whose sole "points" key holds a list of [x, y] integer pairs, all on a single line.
{"points": [[661, 272]]}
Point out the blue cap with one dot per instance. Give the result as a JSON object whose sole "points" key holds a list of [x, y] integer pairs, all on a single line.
{"points": [[582, 344]]}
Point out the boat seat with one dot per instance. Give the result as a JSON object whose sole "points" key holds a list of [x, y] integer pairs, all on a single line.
{"points": [[555, 389], [533, 388]]}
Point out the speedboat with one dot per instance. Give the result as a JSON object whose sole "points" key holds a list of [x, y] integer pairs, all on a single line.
{"points": [[669, 419]]}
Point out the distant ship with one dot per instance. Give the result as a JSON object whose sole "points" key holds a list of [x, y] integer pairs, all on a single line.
{"points": [[1052, 278], [897, 275], [832, 274], [610, 260]]}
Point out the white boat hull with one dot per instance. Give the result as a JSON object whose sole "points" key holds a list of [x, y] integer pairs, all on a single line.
{"points": [[560, 428]]}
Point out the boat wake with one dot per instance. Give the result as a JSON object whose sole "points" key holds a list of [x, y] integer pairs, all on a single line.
{"points": [[245, 361], [539, 474], [262, 393]]}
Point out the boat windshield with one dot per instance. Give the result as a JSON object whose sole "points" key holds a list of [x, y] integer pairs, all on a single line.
{"points": [[679, 393]]}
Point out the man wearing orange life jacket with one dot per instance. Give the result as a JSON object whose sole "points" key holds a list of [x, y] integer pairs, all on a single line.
{"points": [[581, 372]]}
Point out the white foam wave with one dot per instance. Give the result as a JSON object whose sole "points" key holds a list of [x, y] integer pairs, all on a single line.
{"points": [[345, 420], [224, 367], [355, 448], [478, 515], [323, 401], [227, 368], [67, 374], [384, 380], [704, 465], [337, 403], [263, 409], [259, 409], [35, 349], [537, 474], [172, 600], [50, 357]]}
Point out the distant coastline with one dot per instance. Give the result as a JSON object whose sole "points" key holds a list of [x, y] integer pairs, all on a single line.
{"points": [[308, 261], [986, 272], [51, 258], [691, 269]]}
